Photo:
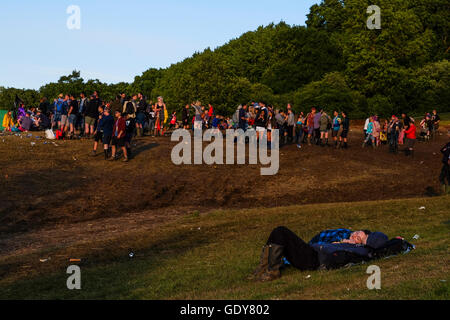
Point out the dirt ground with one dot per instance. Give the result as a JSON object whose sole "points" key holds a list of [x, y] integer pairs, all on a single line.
{"points": [[56, 194]]}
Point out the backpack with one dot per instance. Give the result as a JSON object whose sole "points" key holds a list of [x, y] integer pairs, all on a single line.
{"points": [[59, 135], [129, 109]]}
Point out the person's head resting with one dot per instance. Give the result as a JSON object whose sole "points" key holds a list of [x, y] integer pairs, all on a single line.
{"points": [[360, 237]]}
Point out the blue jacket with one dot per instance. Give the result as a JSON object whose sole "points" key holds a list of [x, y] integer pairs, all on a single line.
{"points": [[106, 125]]}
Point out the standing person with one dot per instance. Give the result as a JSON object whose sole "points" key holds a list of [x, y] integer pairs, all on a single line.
{"points": [[243, 118], [72, 114], [161, 108], [105, 127], [436, 120], [345, 130], [151, 119], [91, 116], [336, 127], [185, 117], [198, 115], [118, 139], [260, 123], [130, 123], [140, 115], [57, 111], [410, 134], [290, 124], [310, 123], [444, 177], [317, 117], [299, 130], [82, 107], [393, 133], [65, 114], [271, 125], [369, 134], [44, 106], [98, 133], [376, 131], [325, 126]]}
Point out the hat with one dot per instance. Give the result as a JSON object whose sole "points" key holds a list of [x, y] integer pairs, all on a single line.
{"points": [[377, 240]]}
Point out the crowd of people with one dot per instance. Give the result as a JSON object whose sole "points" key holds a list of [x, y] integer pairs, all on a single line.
{"points": [[399, 131], [92, 118]]}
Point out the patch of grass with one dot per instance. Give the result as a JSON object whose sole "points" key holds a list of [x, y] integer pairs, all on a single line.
{"points": [[209, 257]]}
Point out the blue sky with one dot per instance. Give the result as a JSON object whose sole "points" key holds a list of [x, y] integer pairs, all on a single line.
{"points": [[120, 39]]}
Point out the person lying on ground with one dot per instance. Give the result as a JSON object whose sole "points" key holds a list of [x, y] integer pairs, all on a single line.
{"points": [[304, 256]]}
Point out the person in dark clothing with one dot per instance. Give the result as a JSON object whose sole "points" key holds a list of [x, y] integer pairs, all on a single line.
{"points": [[44, 106], [129, 124], [72, 115], [243, 118], [345, 130], [444, 177], [185, 117], [304, 256], [91, 115], [42, 121]]}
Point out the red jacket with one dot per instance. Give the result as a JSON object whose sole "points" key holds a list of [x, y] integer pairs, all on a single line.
{"points": [[120, 125], [411, 132]]}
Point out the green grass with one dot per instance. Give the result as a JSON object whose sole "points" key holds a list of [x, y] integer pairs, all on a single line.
{"points": [[209, 257]]}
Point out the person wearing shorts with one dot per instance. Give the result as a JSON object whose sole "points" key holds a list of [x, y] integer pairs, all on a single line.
{"points": [[336, 127], [118, 138], [345, 129]]}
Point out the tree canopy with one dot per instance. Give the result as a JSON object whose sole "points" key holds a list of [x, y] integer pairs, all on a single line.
{"points": [[334, 62]]}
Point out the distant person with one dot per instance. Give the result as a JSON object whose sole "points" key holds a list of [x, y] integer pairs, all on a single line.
{"points": [[8, 121], [345, 130], [130, 124], [185, 117], [436, 120], [91, 116], [410, 135], [118, 139], [73, 115], [26, 123], [98, 133], [42, 122]]}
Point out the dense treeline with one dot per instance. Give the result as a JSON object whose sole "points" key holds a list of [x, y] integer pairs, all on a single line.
{"points": [[334, 61]]}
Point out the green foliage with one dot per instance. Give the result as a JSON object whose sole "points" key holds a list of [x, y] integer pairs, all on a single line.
{"points": [[331, 93], [335, 62]]}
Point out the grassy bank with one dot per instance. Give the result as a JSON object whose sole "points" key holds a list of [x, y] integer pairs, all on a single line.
{"points": [[209, 256]]}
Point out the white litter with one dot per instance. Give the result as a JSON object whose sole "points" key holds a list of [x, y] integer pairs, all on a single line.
{"points": [[308, 277], [416, 237], [422, 208]]}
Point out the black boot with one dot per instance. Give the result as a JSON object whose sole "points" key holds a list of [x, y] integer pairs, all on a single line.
{"points": [[275, 262], [263, 264], [106, 154]]}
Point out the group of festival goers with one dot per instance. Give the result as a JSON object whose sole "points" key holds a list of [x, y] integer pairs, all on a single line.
{"points": [[114, 124], [401, 131]]}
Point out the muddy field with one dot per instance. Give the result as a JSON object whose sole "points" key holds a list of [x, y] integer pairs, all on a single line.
{"points": [[49, 191]]}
